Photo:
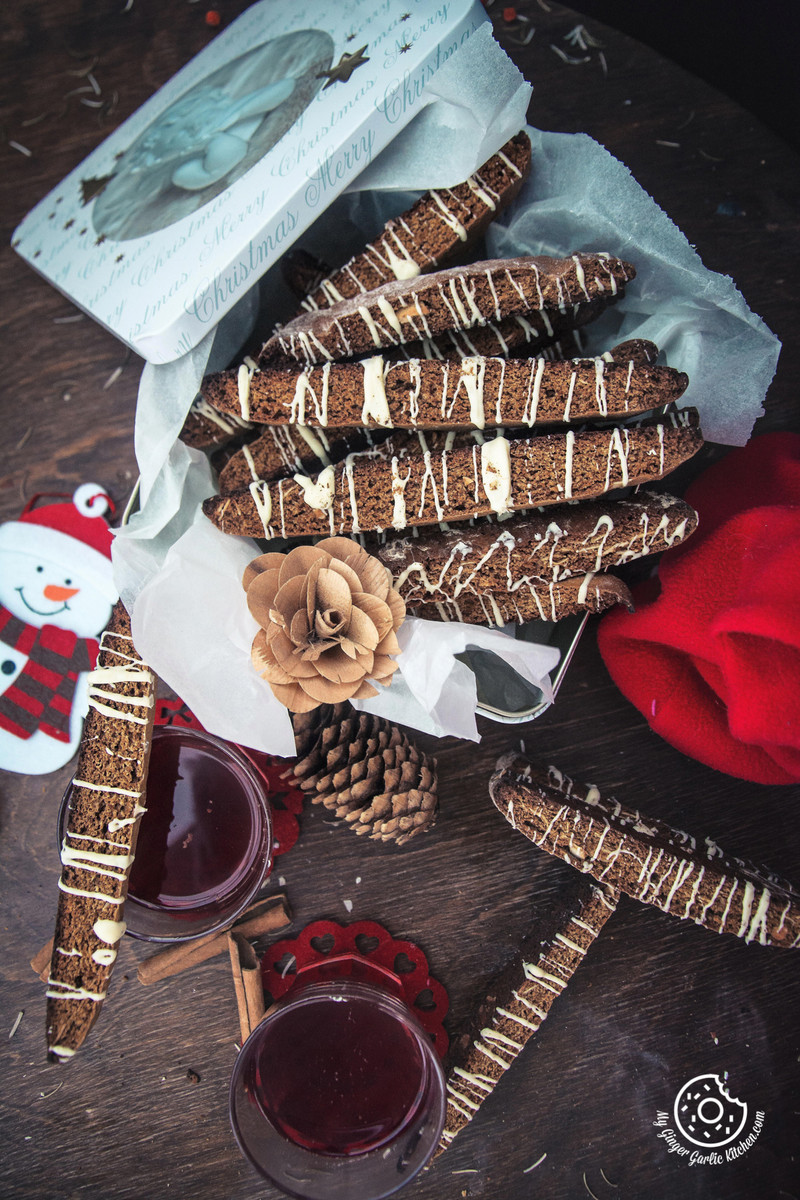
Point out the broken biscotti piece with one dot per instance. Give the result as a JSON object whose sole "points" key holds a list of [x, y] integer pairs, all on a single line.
{"points": [[368, 492], [520, 998], [436, 230], [456, 298], [471, 392], [644, 857], [538, 600], [97, 854], [569, 539]]}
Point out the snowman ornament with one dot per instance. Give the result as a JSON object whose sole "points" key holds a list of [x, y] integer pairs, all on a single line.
{"points": [[56, 596]]}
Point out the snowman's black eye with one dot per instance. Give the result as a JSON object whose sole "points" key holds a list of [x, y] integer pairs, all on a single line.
{"points": [[40, 569], [67, 582]]}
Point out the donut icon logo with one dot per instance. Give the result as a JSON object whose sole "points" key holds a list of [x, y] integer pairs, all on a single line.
{"points": [[706, 1114]]}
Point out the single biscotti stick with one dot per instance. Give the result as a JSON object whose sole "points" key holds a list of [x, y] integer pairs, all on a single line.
{"points": [[644, 857], [437, 229], [519, 999], [549, 332], [108, 794], [467, 393], [569, 539], [456, 298], [284, 450], [538, 600], [422, 487], [206, 427]]}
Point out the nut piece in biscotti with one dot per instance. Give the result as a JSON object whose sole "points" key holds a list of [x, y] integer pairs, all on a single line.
{"points": [[519, 999], [536, 600], [472, 392], [569, 539], [689, 877], [106, 804], [438, 229], [456, 298], [414, 487]]}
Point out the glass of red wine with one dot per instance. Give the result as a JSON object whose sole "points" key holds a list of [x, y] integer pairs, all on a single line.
{"points": [[338, 1092], [205, 842]]}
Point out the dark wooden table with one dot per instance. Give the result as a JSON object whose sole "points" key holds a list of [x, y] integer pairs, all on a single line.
{"points": [[658, 1001]]}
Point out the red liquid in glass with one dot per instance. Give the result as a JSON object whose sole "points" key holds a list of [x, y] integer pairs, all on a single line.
{"points": [[339, 1076], [197, 837]]}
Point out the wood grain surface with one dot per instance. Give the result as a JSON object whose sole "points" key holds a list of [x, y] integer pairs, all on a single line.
{"points": [[142, 1111]]}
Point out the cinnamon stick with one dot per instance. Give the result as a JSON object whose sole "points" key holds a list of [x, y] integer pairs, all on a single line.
{"points": [[40, 962], [246, 983], [264, 916]]}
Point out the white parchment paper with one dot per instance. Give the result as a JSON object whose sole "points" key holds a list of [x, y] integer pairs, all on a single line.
{"points": [[180, 577]]}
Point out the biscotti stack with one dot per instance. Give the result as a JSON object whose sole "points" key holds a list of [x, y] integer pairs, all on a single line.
{"points": [[106, 805], [402, 406]]}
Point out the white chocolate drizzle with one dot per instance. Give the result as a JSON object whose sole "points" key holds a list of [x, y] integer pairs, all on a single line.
{"points": [[652, 861]]}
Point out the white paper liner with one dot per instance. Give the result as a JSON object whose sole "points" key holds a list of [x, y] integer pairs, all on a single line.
{"points": [[180, 577], [579, 197]]}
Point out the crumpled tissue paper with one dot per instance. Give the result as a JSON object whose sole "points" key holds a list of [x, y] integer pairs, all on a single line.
{"points": [[180, 577]]}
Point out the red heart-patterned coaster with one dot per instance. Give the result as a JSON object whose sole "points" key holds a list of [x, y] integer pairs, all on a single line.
{"points": [[371, 943], [286, 801]]}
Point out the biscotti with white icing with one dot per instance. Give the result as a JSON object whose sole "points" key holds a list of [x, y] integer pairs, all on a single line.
{"points": [[519, 999], [106, 804], [689, 877], [283, 450], [438, 228], [416, 487], [467, 393], [456, 298], [568, 539], [207, 428], [533, 600], [546, 331]]}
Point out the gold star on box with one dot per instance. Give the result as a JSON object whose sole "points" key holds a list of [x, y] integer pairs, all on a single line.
{"points": [[344, 68], [90, 188]]}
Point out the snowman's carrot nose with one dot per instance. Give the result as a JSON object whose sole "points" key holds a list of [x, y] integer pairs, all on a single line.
{"points": [[54, 592]]}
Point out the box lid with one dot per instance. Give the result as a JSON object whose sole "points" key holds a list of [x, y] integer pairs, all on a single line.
{"points": [[180, 211]]}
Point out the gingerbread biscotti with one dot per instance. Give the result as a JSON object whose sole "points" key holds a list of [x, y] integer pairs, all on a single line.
{"points": [[282, 450], [472, 392], [520, 998], [207, 427], [106, 805], [456, 298], [438, 228], [569, 539], [367, 492], [534, 600], [548, 331], [689, 877]]}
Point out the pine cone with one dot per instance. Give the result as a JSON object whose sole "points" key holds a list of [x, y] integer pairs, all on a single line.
{"points": [[366, 770]]}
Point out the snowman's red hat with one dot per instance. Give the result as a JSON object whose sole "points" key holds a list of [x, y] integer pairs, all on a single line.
{"points": [[75, 536]]}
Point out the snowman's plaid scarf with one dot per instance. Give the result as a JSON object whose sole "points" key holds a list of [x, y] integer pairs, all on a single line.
{"points": [[41, 695]]}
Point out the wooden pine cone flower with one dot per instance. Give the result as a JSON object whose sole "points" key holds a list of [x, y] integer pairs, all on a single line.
{"points": [[329, 616]]}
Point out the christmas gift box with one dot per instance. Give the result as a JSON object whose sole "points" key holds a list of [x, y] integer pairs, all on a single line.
{"points": [[173, 217]]}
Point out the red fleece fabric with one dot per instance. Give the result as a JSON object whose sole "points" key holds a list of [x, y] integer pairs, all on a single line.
{"points": [[712, 659]]}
